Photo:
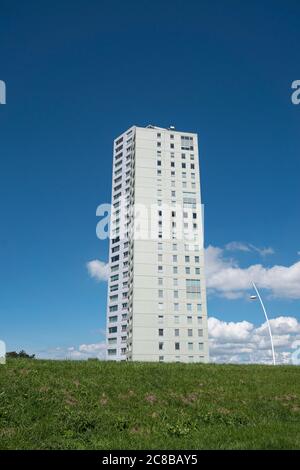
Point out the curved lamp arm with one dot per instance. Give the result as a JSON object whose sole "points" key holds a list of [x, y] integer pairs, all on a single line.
{"points": [[268, 323]]}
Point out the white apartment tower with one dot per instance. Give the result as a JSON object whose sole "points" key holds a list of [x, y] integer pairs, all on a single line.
{"points": [[156, 306]]}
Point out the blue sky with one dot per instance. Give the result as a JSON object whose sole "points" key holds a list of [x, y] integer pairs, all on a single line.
{"points": [[77, 75]]}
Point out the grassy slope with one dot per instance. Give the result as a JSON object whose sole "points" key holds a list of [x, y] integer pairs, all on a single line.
{"points": [[100, 405]]}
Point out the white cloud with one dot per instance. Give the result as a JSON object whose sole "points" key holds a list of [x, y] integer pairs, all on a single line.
{"points": [[98, 270], [237, 246], [230, 332], [81, 352], [248, 247], [94, 348], [225, 277], [242, 342], [229, 342]]}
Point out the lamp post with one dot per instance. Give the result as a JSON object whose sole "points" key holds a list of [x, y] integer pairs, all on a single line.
{"points": [[254, 297]]}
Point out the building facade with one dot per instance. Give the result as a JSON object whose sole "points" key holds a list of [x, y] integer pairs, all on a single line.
{"points": [[156, 305]]}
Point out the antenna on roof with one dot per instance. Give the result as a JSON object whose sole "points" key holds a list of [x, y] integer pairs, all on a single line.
{"points": [[172, 128]]}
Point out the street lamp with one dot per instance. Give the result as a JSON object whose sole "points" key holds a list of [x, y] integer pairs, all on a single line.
{"points": [[254, 297]]}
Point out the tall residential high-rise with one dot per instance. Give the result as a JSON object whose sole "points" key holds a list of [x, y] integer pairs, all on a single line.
{"points": [[156, 306]]}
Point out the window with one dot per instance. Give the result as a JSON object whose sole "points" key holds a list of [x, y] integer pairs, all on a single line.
{"points": [[190, 346], [161, 358], [114, 278], [112, 352], [176, 307], [119, 141], [199, 308], [176, 332], [197, 259], [193, 285], [174, 258], [158, 163], [160, 318], [176, 295], [158, 135], [189, 307], [160, 346], [160, 294], [113, 329], [175, 270], [160, 281], [187, 259], [183, 165], [113, 319], [177, 346], [189, 319], [197, 270], [188, 270], [160, 306], [190, 332], [176, 319], [187, 143], [172, 164], [171, 146], [174, 246], [201, 346], [200, 332], [113, 308], [160, 332]]}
